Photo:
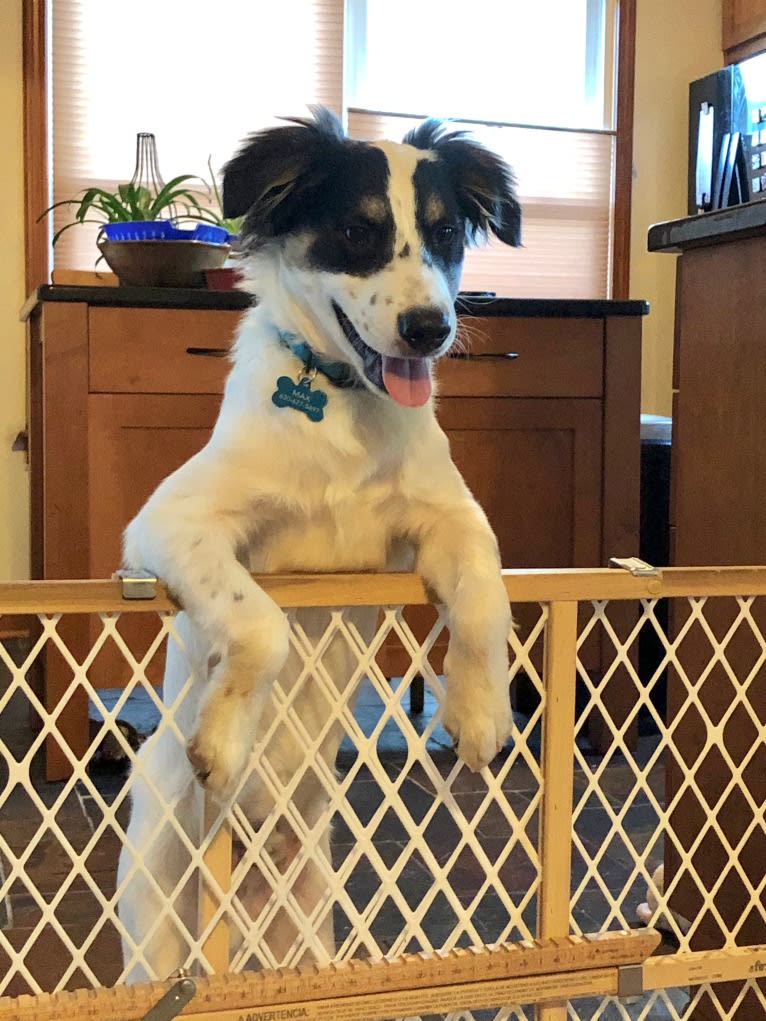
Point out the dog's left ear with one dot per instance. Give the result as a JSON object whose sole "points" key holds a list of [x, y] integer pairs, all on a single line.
{"points": [[269, 179], [483, 181]]}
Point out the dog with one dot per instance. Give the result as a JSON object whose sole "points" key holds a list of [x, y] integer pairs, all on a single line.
{"points": [[326, 457]]}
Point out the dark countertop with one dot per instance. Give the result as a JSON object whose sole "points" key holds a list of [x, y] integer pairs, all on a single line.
{"points": [[190, 297], [713, 228]]}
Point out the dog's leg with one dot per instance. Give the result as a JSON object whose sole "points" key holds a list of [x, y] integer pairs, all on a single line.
{"points": [[459, 559], [153, 859], [287, 937], [188, 534], [295, 754], [154, 912]]}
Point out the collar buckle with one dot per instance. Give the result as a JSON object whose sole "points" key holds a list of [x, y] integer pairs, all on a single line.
{"points": [[338, 373]]}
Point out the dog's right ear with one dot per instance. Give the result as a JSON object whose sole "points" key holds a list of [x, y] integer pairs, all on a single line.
{"points": [[484, 183], [268, 179]]}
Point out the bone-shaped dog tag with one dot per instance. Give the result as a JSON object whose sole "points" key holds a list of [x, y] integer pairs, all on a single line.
{"points": [[300, 396]]}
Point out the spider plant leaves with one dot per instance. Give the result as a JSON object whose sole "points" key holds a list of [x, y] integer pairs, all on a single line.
{"points": [[73, 223], [173, 192], [131, 201]]}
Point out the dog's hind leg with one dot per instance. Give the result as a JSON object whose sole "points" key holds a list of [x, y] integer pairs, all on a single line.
{"points": [[300, 930], [157, 913], [155, 908]]}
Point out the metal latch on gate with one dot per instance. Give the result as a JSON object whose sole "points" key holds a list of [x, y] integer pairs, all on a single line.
{"points": [[173, 1001], [637, 567], [630, 981], [137, 584]]}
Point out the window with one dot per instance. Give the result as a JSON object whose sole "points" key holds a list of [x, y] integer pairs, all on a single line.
{"points": [[534, 81], [513, 61]]}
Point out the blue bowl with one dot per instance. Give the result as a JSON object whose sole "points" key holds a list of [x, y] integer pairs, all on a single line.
{"points": [[206, 232], [165, 230], [210, 233], [138, 230]]}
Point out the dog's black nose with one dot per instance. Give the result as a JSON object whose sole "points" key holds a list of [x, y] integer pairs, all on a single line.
{"points": [[424, 327]]}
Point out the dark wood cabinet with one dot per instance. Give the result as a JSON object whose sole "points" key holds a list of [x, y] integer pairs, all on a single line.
{"points": [[535, 467], [718, 517], [543, 421], [743, 28]]}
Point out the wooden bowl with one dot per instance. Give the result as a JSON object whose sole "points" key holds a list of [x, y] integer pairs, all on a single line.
{"points": [[163, 263]]}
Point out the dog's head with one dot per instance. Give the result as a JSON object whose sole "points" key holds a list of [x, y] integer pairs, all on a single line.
{"points": [[372, 235]]}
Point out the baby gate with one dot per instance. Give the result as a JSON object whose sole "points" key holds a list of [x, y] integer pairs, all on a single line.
{"points": [[512, 891]]}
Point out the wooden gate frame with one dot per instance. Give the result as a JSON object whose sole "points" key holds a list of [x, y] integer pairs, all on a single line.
{"points": [[546, 971]]}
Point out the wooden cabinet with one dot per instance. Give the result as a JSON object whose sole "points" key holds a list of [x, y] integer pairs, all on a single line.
{"points": [[543, 420], [717, 508], [497, 443], [743, 28], [718, 517]]}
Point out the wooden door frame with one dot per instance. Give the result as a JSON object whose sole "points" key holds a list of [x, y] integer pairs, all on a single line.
{"points": [[34, 28], [623, 157]]}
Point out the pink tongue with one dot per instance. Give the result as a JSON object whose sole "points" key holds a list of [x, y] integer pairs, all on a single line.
{"points": [[408, 380]]}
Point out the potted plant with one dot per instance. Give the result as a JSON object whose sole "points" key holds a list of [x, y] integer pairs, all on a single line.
{"points": [[135, 203], [152, 233]]}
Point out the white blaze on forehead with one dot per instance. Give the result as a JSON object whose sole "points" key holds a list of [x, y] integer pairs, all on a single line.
{"points": [[402, 161]]}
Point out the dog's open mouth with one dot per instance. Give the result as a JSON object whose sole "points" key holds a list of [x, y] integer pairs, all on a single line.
{"points": [[406, 380]]}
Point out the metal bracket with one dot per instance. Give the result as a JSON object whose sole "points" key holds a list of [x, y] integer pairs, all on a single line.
{"points": [[173, 1001], [137, 584], [630, 981], [637, 567]]}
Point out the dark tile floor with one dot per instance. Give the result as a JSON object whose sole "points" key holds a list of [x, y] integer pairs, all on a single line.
{"points": [[48, 861]]}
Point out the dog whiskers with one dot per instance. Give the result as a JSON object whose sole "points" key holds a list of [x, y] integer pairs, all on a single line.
{"points": [[467, 336]]}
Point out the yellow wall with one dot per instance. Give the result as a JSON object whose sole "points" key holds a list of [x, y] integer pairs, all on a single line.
{"points": [[14, 484], [676, 42]]}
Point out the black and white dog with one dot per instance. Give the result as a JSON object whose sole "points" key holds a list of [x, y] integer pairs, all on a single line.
{"points": [[326, 457]]}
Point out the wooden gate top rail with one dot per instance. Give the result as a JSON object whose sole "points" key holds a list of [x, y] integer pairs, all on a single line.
{"points": [[533, 586], [260, 990]]}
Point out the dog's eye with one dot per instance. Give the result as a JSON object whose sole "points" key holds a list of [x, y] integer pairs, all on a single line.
{"points": [[443, 233], [358, 234]]}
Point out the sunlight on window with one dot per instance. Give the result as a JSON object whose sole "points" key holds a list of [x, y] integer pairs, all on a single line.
{"points": [[511, 60], [199, 77]]}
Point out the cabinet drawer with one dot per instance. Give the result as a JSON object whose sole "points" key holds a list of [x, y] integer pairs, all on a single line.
{"points": [[506, 356], [159, 350]]}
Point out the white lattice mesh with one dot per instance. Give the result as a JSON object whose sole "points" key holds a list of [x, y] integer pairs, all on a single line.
{"points": [[424, 853], [668, 792]]}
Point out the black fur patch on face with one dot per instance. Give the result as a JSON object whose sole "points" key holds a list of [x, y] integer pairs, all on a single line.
{"points": [[351, 217], [309, 179], [440, 224], [483, 183]]}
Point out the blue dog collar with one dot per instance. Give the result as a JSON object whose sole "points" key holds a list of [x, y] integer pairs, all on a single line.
{"points": [[339, 373]]}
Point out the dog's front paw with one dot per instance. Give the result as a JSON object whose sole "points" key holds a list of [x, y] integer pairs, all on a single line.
{"points": [[219, 750], [479, 729], [214, 767]]}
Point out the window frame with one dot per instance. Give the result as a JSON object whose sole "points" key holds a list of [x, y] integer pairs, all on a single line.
{"points": [[35, 24]]}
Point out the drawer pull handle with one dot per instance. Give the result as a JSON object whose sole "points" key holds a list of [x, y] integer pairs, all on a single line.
{"points": [[208, 352], [466, 356]]}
